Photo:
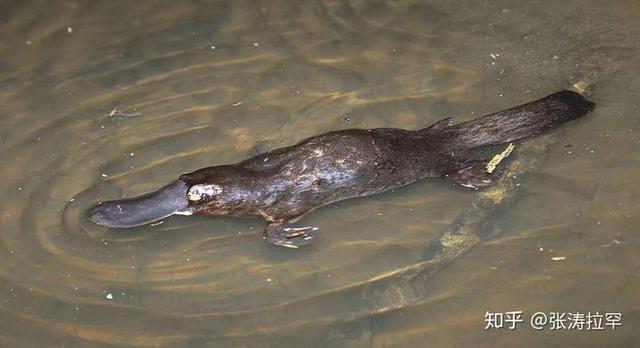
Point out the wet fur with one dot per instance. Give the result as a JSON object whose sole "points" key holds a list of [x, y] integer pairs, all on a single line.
{"points": [[519, 122], [284, 184]]}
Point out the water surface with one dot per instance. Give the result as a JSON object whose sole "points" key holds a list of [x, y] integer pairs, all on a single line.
{"points": [[105, 99]]}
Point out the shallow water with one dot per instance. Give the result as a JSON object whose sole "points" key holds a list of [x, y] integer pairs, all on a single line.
{"points": [[103, 99]]}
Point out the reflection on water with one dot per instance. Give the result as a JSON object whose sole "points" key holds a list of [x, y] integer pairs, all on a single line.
{"points": [[105, 99]]}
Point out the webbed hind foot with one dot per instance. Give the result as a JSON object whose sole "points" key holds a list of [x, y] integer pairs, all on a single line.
{"points": [[473, 173], [283, 234]]}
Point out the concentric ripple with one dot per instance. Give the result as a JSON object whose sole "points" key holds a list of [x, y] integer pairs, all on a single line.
{"points": [[105, 102], [101, 100]]}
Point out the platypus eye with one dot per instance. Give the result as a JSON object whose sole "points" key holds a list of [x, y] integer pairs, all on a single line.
{"points": [[203, 192]]}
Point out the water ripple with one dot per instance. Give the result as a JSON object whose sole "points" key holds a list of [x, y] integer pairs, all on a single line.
{"points": [[204, 91]]}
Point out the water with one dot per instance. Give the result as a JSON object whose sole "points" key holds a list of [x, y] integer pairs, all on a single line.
{"points": [[105, 99]]}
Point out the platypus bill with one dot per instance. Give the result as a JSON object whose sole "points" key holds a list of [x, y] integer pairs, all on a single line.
{"points": [[284, 184]]}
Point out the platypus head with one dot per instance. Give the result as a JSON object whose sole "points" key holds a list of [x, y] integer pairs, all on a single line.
{"points": [[220, 190]]}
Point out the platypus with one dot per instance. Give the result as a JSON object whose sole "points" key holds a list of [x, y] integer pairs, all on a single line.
{"points": [[284, 184]]}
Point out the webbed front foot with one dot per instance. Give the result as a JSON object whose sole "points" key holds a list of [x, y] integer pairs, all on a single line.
{"points": [[283, 234]]}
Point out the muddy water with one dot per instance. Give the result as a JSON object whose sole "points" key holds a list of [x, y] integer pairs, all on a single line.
{"points": [[105, 99]]}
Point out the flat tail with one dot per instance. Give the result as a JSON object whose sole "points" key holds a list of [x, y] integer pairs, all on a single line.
{"points": [[144, 209], [518, 122]]}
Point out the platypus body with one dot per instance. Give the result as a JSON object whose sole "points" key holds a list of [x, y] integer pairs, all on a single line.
{"points": [[285, 184]]}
